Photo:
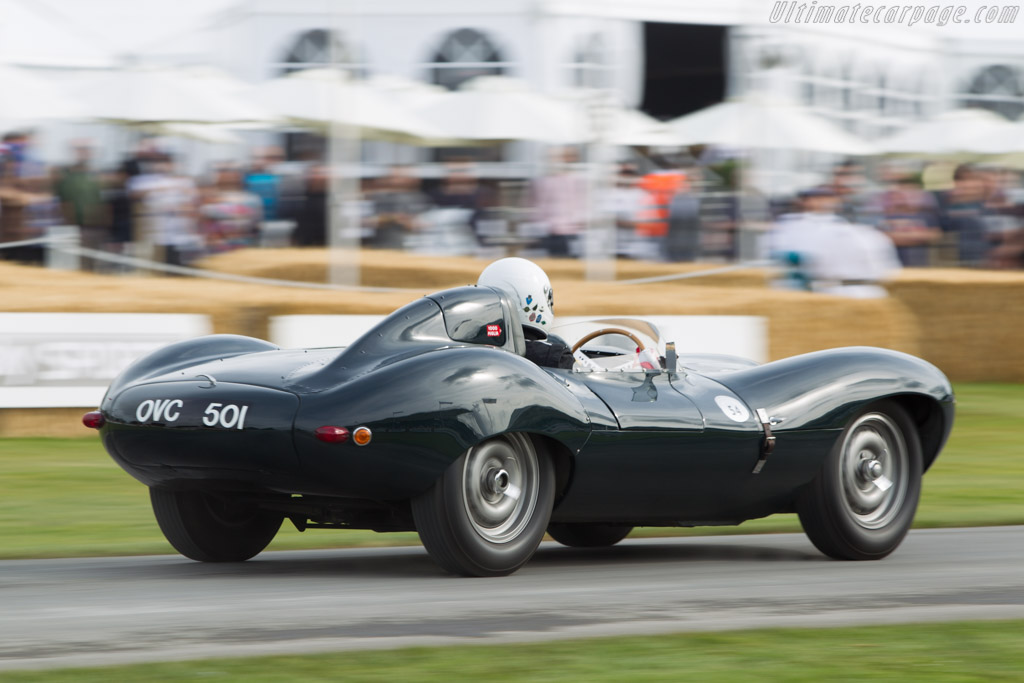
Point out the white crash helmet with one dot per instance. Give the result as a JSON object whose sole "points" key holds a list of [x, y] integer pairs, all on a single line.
{"points": [[528, 286]]}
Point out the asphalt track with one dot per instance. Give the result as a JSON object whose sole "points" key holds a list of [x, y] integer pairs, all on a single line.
{"points": [[81, 612]]}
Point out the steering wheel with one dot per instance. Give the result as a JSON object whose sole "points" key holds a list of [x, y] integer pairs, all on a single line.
{"points": [[607, 330]]}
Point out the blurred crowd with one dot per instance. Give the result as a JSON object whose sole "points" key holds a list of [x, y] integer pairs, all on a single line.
{"points": [[853, 230]]}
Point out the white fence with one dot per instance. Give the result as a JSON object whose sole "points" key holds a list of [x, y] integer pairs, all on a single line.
{"points": [[67, 360]]}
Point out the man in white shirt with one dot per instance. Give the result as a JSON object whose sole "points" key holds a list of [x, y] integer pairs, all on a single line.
{"points": [[823, 252], [168, 209]]}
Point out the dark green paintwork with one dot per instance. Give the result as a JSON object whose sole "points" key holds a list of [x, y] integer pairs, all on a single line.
{"points": [[633, 448]]}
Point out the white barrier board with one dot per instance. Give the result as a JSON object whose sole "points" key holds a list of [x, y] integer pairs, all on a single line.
{"points": [[737, 335], [318, 331], [67, 360]]}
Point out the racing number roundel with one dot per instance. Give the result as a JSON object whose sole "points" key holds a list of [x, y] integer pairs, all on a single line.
{"points": [[733, 409]]}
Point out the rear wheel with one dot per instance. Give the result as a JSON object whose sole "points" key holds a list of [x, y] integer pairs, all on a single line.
{"points": [[487, 513], [589, 535], [210, 528], [862, 503]]}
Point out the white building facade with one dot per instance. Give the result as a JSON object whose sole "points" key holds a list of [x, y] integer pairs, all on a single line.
{"points": [[878, 74], [668, 57]]}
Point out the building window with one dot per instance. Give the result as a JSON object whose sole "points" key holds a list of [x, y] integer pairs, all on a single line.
{"points": [[809, 88], [319, 48], [316, 49], [465, 54], [590, 63], [998, 89]]}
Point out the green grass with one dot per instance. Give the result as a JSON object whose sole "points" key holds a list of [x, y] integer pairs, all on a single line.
{"points": [[935, 653], [66, 497]]}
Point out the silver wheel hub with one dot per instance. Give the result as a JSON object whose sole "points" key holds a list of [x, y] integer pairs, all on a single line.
{"points": [[870, 470], [496, 480], [500, 487], [874, 468]]}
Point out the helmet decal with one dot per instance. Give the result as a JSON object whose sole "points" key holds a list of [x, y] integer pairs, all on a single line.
{"points": [[528, 286]]}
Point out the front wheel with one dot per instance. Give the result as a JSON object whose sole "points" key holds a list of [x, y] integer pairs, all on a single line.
{"points": [[862, 503], [487, 513], [589, 535], [209, 528]]}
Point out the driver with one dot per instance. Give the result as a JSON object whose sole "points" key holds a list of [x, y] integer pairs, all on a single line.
{"points": [[528, 286]]}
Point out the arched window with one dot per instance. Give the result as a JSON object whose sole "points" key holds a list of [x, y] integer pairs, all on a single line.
{"points": [[317, 48], [321, 47], [997, 88], [465, 54]]}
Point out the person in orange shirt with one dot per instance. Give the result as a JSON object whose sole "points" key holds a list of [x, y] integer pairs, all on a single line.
{"points": [[652, 225]]}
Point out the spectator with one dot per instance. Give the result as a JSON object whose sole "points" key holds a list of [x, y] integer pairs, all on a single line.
{"points": [[909, 217], [26, 205], [625, 203], [560, 199], [229, 215], [661, 187], [850, 185], [823, 252], [311, 214], [461, 189], [167, 208], [264, 182], [963, 215], [119, 210], [683, 241], [397, 206], [1004, 209], [1010, 251], [1006, 233], [80, 193]]}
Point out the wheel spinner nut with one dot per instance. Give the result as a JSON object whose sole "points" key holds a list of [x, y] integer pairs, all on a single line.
{"points": [[870, 469]]}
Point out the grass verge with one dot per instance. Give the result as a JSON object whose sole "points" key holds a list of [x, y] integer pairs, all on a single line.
{"points": [[936, 653], [66, 497]]}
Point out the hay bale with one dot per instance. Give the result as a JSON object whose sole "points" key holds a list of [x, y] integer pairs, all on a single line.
{"points": [[399, 269], [970, 322], [37, 422], [232, 306]]}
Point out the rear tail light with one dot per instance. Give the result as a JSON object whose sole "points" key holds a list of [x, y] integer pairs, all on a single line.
{"points": [[94, 419], [332, 434]]}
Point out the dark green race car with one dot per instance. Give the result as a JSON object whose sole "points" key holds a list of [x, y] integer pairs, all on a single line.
{"points": [[435, 421]]}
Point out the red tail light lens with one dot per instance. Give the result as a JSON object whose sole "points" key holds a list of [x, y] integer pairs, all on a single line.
{"points": [[331, 434], [94, 419]]}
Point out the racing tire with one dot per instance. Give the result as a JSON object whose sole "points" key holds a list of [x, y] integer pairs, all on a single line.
{"points": [[487, 513], [589, 535], [862, 502], [209, 528]]}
